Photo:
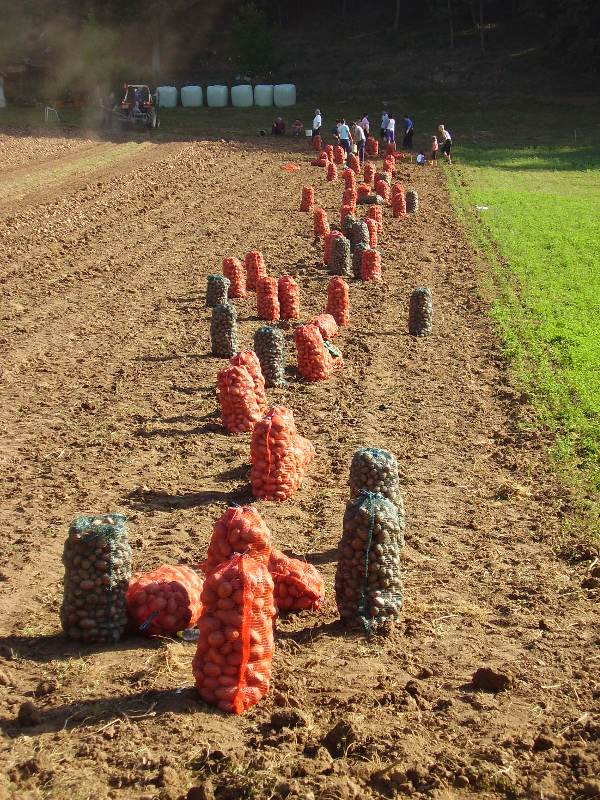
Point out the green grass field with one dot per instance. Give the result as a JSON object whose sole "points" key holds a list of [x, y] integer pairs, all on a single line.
{"points": [[541, 234]]}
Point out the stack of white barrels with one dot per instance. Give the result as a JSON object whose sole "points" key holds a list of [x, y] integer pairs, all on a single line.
{"points": [[281, 95]]}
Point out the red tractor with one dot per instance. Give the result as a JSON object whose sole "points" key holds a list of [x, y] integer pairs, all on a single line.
{"points": [[138, 108]]}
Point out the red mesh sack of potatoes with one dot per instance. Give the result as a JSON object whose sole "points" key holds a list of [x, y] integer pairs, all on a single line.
{"points": [[376, 213], [236, 272], [255, 268], [308, 198], [372, 147], [304, 452], [339, 155], [370, 266], [319, 162], [267, 299], [338, 300], [331, 172], [349, 179], [315, 360], [164, 601], [249, 359], [389, 164], [240, 529], [354, 164], [328, 246], [372, 226], [317, 143], [289, 297], [320, 222], [232, 664], [383, 190], [345, 211], [298, 586], [399, 206], [327, 326], [237, 398], [350, 197], [276, 471], [329, 151], [363, 190], [390, 148], [369, 174]]}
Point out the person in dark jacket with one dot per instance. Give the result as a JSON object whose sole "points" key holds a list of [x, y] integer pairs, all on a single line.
{"points": [[409, 132]]}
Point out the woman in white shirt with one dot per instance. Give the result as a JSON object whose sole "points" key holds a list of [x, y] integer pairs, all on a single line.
{"points": [[360, 139], [391, 129], [365, 124], [316, 126], [445, 140], [384, 123]]}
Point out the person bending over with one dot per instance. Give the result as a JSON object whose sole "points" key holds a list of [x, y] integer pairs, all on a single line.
{"points": [[278, 128]]}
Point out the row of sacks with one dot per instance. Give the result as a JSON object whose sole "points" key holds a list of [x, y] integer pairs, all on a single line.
{"points": [[275, 298]]}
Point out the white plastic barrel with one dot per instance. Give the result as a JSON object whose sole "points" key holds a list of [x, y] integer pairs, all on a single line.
{"points": [[191, 96], [285, 95], [263, 95], [242, 96], [167, 96], [217, 96]]}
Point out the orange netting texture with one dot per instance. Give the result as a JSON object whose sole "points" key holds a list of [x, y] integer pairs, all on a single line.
{"points": [[326, 324], [308, 198], [372, 226], [354, 164], [164, 601], [372, 147], [315, 361], [298, 585], [255, 268], [240, 529], [320, 222], [398, 200], [267, 300], [383, 190], [339, 155], [370, 266], [289, 297], [349, 179], [369, 174], [376, 213], [338, 300], [249, 359], [331, 172], [236, 272], [237, 398]]}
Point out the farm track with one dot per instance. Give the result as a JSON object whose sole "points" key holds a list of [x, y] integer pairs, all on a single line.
{"points": [[108, 404]]}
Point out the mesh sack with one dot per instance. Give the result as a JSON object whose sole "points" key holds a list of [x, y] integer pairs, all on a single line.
{"points": [[382, 188], [319, 162], [97, 559], [223, 331], [236, 272], [217, 290], [331, 171], [240, 409], [249, 359], [349, 198], [308, 198], [373, 230], [338, 300], [420, 314], [370, 266], [376, 470], [368, 582], [327, 326], [317, 143], [390, 149], [320, 222], [269, 344], [339, 155], [359, 234], [354, 164], [357, 258], [240, 529], [341, 260], [164, 601], [278, 456], [389, 165], [412, 201], [369, 174], [289, 297], [348, 221], [298, 586], [329, 151], [316, 359], [255, 268], [385, 176], [376, 213], [349, 179], [363, 190], [372, 147], [328, 247], [398, 201], [267, 299], [232, 665]]}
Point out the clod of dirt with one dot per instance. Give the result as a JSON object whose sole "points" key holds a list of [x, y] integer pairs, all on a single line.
{"points": [[45, 688], [590, 789], [204, 792], [29, 714], [4, 678], [545, 742], [340, 738], [492, 680], [290, 718], [167, 777]]}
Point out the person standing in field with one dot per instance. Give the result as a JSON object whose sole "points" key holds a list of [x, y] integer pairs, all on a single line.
{"points": [[365, 124], [446, 142], [409, 132], [391, 129], [434, 149], [384, 124], [316, 125], [345, 136], [361, 139]]}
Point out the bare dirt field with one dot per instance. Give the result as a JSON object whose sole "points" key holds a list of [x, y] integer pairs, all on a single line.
{"points": [[108, 404]]}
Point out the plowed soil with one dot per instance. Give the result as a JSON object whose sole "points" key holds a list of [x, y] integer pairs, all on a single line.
{"points": [[108, 404]]}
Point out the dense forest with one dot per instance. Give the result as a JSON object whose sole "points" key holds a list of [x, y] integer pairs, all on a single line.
{"points": [[81, 40]]}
